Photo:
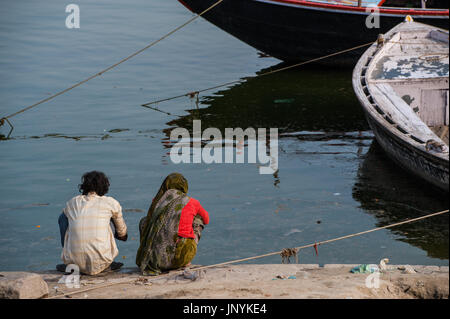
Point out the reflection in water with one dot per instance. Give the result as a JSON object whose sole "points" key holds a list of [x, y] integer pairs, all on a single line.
{"points": [[305, 99], [297, 102], [392, 195], [317, 105]]}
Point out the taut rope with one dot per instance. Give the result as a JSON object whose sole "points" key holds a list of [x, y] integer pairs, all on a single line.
{"points": [[194, 93], [5, 118], [260, 256]]}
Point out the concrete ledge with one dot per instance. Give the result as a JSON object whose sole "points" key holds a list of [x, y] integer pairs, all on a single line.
{"points": [[443, 269], [335, 266], [249, 281], [426, 269], [308, 266]]}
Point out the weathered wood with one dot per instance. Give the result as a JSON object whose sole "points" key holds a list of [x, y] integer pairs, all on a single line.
{"points": [[446, 111], [400, 112], [433, 109], [403, 86], [439, 35]]}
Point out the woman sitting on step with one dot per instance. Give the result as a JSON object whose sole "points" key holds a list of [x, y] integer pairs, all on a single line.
{"points": [[170, 232]]}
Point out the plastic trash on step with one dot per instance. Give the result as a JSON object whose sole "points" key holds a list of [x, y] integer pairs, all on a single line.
{"points": [[365, 269]]}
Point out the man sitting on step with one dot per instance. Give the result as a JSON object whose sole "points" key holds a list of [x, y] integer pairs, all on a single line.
{"points": [[88, 225]]}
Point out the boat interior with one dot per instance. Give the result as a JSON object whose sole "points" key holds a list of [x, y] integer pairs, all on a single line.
{"points": [[410, 82]]}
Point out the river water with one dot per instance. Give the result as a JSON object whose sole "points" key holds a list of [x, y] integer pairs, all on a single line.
{"points": [[333, 179]]}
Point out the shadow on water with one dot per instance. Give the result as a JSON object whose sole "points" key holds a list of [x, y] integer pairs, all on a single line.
{"points": [[312, 98], [392, 195], [321, 101]]}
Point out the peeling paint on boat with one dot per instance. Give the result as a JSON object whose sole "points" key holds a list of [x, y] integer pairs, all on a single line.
{"points": [[400, 67]]}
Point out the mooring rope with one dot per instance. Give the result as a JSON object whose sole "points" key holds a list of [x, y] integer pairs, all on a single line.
{"points": [[195, 93], [5, 118], [190, 94], [296, 249]]}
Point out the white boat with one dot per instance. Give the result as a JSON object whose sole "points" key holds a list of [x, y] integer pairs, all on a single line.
{"points": [[402, 84]]}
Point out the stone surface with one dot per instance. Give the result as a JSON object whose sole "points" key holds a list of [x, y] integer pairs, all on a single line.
{"points": [[247, 281], [22, 285], [431, 268], [426, 269], [308, 266], [334, 266]]}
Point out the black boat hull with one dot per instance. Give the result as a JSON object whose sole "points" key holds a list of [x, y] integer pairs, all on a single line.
{"points": [[294, 33]]}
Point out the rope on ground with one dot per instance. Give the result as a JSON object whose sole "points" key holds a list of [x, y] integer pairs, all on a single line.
{"points": [[5, 118], [195, 93], [255, 257]]}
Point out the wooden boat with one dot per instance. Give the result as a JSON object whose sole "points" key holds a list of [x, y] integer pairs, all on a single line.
{"points": [[402, 84], [298, 30]]}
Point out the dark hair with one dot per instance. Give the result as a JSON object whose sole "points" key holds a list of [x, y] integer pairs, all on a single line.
{"points": [[94, 182]]}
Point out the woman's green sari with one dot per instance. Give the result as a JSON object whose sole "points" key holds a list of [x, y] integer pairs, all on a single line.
{"points": [[160, 246]]}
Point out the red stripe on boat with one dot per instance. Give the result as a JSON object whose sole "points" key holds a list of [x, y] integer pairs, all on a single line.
{"points": [[343, 7]]}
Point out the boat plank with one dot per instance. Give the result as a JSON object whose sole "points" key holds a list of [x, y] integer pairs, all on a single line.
{"points": [[399, 110], [433, 107]]}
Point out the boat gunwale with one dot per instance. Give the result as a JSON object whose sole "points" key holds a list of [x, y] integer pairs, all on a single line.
{"points": [[363, 65], [345, 7]]}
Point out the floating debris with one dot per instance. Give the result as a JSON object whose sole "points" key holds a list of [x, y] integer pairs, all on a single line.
{"points": [[106, 136], [283, 101], [293, 231], [118, 130]]}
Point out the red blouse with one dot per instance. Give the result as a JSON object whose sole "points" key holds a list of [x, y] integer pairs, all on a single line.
{"points": [[188, 213]]}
